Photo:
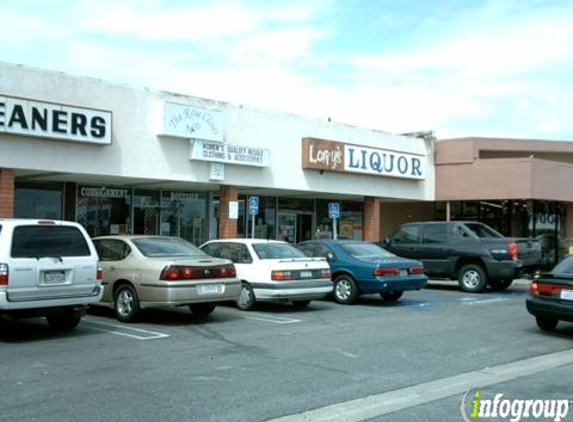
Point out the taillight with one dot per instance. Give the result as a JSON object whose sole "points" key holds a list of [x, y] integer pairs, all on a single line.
{"points": [[185, 272], [416, 270], [512, 250], [547, 289], [99, 272], [282, 275], [382, 271], [3, 274], [325, 273]]}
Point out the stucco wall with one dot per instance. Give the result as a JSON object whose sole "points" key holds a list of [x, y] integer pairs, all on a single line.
{"points": [[138, 153]]}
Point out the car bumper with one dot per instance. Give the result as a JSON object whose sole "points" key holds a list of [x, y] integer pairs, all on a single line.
{"points": [[550, 308], [152, 295], [292, 290], [388, 284], [6, 305]]}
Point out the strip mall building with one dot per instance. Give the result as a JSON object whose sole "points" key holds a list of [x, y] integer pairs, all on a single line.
{"points": [[123, 160]]}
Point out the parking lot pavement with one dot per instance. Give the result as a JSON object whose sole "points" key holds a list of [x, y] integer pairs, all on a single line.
{"points": [[275, 361]]}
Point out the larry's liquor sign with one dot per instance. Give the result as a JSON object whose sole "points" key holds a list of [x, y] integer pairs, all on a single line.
{"points": [[321, 154]]}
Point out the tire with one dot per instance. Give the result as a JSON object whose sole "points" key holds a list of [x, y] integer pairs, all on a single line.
{"points": [[472, 278], [345, 289], [65, 321], [202, 309], [546, 324], [392, 296], [126, 303], [500, 284], [300, 304], [247, 299]]}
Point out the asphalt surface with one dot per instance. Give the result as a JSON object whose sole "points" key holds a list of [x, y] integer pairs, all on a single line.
{"points": [[277, 361]]}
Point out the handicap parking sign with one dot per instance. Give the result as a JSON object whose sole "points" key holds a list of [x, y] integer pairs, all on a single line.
{"points": [[333, 210], [253, 205]]}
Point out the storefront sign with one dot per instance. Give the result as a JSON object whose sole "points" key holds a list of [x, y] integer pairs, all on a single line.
{"points": [[48, 120], [322, 154], [103, 192], [231, 154], [192, 122]]}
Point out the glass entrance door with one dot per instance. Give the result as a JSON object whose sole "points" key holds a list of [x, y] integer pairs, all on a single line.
{"points": [[287, 224]]}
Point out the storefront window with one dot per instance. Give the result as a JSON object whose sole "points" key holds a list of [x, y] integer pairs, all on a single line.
{"points": [[184, 214], [38, 200], [146, 212], [104, 210], [351, 224], [265, 219]]}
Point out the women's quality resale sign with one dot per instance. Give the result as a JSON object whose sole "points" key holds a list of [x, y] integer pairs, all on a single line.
{"points": [[327, 155]]}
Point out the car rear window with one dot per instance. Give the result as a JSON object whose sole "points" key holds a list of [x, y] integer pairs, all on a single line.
{"points": [[483, 231], [365, 250], [564, 267], [154, 247], [48, 241], [277, 251]]}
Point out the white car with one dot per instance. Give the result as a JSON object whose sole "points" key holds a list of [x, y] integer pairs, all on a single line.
{"points": [[48, 269], [272, 270]]}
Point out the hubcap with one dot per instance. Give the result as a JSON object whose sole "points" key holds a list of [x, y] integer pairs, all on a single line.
{"points": [[245, 296], [471, 278], [343, 289], [124, 303]]}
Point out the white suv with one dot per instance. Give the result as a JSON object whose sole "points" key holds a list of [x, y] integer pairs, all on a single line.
{"points": [[47, 268]]}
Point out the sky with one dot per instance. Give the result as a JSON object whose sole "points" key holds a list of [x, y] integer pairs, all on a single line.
{"points": [[455, 67]]}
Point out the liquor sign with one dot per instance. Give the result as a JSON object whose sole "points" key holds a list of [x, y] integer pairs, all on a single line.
{"points": [[327, 155], [187, 121], [21, 116], [230, 154]]}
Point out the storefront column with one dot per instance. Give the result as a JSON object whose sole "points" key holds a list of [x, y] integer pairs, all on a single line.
{"points": [[227, 226], [569, 221], [6, 192], [371, 219]]}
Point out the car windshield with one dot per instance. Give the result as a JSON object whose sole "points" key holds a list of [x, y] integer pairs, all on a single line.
{"points": [[564, 267], [365, 250], [481, 230], [277, 251], [154, 247]]}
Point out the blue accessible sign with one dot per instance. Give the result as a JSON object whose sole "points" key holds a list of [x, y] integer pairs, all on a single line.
{"points": [[333, 210], [253, 205]]}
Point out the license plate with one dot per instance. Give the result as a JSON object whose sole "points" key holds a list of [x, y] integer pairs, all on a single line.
{"points": [[567, 294], [306, 274], [210, 289], [403, 273], [54, 277]]}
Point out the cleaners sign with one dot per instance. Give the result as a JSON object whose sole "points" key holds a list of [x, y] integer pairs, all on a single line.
{"points": [[46, 120], [326, 155]]}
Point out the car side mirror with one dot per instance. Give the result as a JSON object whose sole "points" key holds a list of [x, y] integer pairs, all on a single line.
{"points": [[387, 241], [330, 256]]}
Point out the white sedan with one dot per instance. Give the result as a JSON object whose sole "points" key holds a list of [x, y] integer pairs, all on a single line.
{"points": [[272, 270]]}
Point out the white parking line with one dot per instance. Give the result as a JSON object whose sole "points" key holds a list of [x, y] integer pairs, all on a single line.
{"points": [[125, 331], [271, 318], [473, 301], [416, 395]]}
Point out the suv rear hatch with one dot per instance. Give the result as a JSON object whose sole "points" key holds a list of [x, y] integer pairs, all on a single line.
{"points": [[50, 262]]}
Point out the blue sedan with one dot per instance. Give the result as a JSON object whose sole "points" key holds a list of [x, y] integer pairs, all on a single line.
{"points": [[361, 267]]}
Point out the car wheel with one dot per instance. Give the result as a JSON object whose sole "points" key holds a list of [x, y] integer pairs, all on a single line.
{"points": [[500, 284], [126, 303], [472, 278], [392, 296], [65, 321], [300, 304], [202, 309], [546, 324], [246, 300], [345, 290]]}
